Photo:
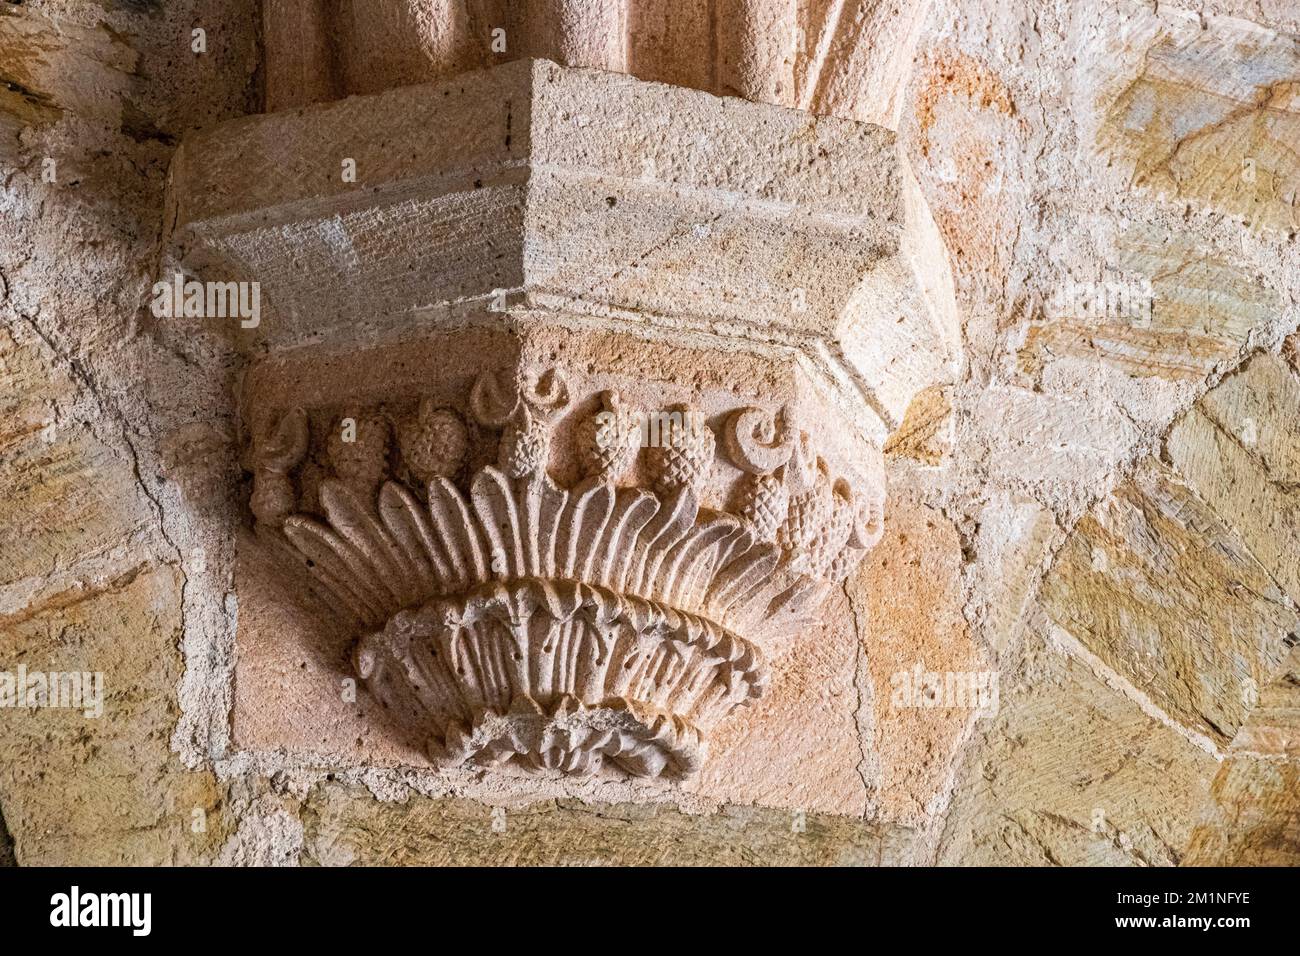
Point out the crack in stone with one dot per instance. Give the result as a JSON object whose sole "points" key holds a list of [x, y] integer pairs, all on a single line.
{"points": [[859, 661], [75, 594], [83, 378]]}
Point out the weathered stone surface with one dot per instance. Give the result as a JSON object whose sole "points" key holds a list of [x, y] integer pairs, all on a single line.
{"points": [[1273, 728], [908, 599], [50, 70], [780, 255], [960, 121], [293, 661], [1253, 819], [343, 826], [6, 846], [1055, 448], [1012, 549], [1186, 121], [926, 432], [859, 56], [1167, 594], [798, 747], [841, 59], [1173, 309], [776, 230], [1239, 449], [66, 492], [1291, 351], [104, 790], [1053, 142], [1072, 774]]}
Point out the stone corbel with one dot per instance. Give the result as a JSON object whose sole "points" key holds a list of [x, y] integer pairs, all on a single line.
{"points": [[570, 431]]}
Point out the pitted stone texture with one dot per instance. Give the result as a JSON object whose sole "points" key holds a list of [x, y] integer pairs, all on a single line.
{"points": [[99, 94], [52, 70], [1025, 187], [1011, 550], [83, 79], [608, 197], [1202, 631], [6, 846], [1054, 447], [995, 147], [839, 58], [681, 249]]}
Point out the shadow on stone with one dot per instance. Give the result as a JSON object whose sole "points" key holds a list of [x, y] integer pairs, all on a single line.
{"points": [[7, 857]]}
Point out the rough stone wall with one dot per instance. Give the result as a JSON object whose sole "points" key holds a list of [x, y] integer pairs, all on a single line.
{"points": [[1104, 510], [1142, 459], [90, 572]]}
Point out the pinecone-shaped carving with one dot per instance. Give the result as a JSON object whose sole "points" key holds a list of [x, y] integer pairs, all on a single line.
{"points": [[435, 444], [609, 440], [362, 461], [764, 502], [525, 446], [831, 537], [273, 498], [809, 513], [684, 456]]}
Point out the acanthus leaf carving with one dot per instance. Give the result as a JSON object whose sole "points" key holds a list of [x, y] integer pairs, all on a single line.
{"points": [[511, 619]]}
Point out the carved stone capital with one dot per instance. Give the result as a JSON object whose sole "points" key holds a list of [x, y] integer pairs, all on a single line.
{"points": [[513, 616], [568, 412]]}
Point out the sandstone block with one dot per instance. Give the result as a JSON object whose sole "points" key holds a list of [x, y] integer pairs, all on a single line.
{"points": [[67, 493], [344, 826], [1165, 592], [1073, 774], [104, 790], [1253, 818], [1177, 110], [908, 598], [1240, 451]]}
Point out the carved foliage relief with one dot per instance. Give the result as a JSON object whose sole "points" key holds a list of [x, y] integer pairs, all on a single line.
{"points": [[608, 622]]}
